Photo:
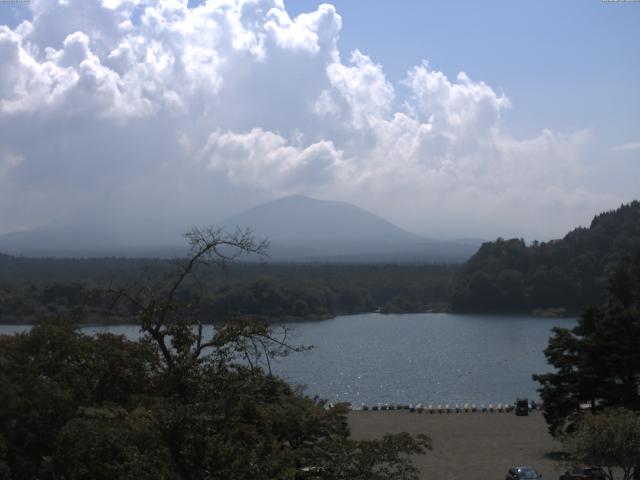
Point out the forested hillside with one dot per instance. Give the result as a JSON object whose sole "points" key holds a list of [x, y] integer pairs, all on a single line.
{"points": [[508, 275], [33, 289]]}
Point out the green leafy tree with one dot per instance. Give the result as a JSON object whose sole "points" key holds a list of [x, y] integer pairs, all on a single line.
{"points": [[103, 443], [46, 375], [610, 439], [597, 362]]}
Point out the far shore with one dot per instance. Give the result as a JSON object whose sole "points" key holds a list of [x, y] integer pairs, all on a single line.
{"points": [[103, 322]]}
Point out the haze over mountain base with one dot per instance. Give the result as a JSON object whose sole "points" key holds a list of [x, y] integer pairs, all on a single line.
{"points": [[299, 228]]}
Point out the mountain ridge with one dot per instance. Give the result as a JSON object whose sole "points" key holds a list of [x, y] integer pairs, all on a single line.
{"points": [[301, 229], [296, 217]]}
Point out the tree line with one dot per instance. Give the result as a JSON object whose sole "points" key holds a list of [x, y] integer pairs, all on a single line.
{"points": [[30, 292], [567, 274]]}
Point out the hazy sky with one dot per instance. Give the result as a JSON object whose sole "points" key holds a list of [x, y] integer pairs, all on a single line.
{"points": [[450, 119]]}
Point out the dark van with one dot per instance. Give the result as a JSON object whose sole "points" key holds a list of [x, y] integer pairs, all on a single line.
{"points": [[522, 407]]}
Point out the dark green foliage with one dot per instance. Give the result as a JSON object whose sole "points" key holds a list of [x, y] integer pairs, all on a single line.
{"points": [[277, 291], [174, 405], [5, 473], [103, 443], [428, 294], [89, 408], [280, 299], [611, 440], [83, 302], [507, 275], [598, 361], [352, 460], [49, 373]]}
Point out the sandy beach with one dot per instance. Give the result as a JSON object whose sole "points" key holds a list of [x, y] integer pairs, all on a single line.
{"points": [[481, 446]]}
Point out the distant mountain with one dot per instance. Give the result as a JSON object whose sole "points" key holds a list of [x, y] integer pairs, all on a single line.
{"points": [[149, 238], [298, 218], [305, 229], [301, 229], [569, 274]]}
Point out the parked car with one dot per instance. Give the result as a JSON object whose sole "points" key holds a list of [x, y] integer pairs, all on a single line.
{"points": [[308, 473], [522, 407], [522, 473], [584, 472]]}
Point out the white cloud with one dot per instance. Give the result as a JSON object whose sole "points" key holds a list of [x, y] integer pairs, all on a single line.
{"points": [[363, 88], [234, 101], [628, 147], [454, 107], [308, 31], [268, 161], [26, 84]]}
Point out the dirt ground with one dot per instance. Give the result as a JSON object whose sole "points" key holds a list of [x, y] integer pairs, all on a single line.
{"points": [[478, 446]]}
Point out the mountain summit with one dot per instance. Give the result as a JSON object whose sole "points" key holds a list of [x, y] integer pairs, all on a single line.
{"points": [[299, 218], [306, 229]]}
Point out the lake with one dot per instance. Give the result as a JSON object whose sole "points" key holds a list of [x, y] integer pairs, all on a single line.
{"points": [[412, 358]]}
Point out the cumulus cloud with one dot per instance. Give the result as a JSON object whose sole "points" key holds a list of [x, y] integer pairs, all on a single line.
{"points": [[362, 88], [214, 107], [268, 161]]}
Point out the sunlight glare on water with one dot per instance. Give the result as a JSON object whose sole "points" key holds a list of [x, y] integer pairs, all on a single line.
{"points": [[411, 358]]}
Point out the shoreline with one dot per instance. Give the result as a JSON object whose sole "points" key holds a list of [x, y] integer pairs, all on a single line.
{"points": [[315, 318]]}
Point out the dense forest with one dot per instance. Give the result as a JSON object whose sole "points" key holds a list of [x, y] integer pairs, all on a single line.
{"points": [[32, 289], [565, 275]]}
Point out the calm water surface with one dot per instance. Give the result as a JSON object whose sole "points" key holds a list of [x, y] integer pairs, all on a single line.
{"points": [[412, 358]]}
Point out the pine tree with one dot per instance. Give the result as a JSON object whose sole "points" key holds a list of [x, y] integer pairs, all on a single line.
{"points": [[597, 362]]}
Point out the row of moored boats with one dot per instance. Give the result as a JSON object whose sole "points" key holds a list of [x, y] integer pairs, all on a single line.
{"points": [[420, 408]]}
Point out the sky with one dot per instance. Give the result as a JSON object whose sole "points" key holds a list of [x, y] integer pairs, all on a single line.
{"points": [[449, 119]]}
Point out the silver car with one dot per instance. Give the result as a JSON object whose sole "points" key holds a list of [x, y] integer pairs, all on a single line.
{"points": [[522, 473]]}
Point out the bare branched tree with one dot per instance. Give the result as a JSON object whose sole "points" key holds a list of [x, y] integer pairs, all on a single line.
{"points": [[174, 325]]}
